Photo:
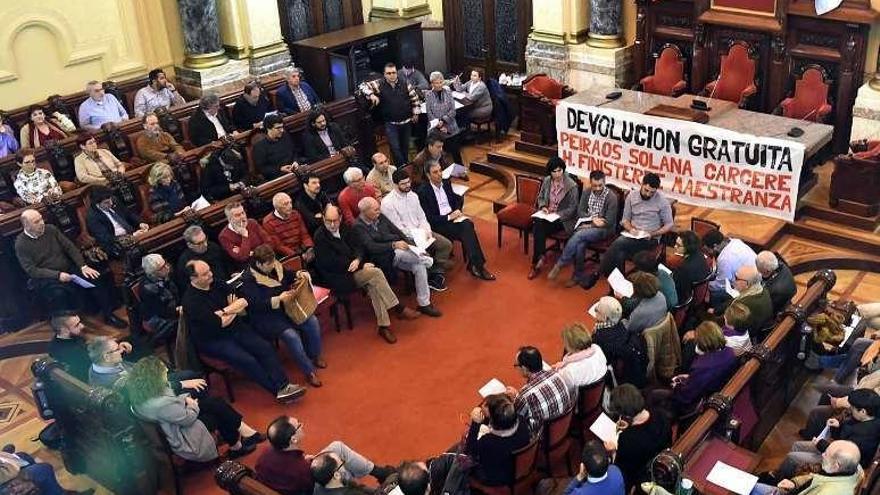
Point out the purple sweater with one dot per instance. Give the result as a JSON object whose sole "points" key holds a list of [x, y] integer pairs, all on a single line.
{"points": [[708, 373]]}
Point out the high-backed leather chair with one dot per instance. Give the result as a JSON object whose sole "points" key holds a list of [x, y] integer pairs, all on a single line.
{"points": [[537, 108], [810, 99], [736, 80], [668, 77]]}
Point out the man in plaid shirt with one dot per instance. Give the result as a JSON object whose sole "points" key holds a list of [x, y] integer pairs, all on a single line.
{"points": [[545, 395]]}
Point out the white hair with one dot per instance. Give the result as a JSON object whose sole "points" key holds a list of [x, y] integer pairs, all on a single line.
{"points": [[352, 174], [98, 346], [191, 232], [611, 308], [436, 76], [276, 200], [289, 71], [151, 263], [767, 262]]}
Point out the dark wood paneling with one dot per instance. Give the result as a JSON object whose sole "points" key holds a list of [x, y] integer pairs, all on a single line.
{"points": [[454, 22]]}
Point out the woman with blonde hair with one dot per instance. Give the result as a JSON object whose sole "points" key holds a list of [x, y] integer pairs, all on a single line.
{"points": [[187, 422], [583, 362], [714, 364], [166, 196]]}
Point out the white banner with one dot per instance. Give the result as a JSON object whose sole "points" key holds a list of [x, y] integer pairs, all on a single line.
{"points": [[698, 164]]}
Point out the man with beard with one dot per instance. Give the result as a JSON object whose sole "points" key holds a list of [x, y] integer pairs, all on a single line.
{"points": [[310, 202], [156, 145], [324, 139], [158, 93], [275, 155]]}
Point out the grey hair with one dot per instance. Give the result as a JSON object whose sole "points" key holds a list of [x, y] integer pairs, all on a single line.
{"points": [[276, 199], [227, 210], [59, 322], [436, 76], [91, 83], [365, 203], [151, 263], [430, 162], [767, 262], [352, 174], [208, 100], [98, 346], [611, 308], [191, 232], [289, 71]]}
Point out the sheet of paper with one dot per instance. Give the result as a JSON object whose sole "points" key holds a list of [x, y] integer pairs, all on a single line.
{"points": [[321, 294], [825, 433], [641, 234], [620, 284], [856, 319], [662, 267], [492, 387], [847, 331], [730, 290], [731, 478], [454, 170], [461, 219], [550, 217], [458, 105], [458, 95], [825, 6], [396, 491], [423, 108], [604, 428], [200, 203], [545, 366], [459, 189], [433, 123], [592, 310], [582, 220], [85, 284]]}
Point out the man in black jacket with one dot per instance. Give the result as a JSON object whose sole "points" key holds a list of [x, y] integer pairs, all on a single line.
{"points": [[198, 247], [277, 154], [323, 139], [208, 123], [389, 248], [341, 266], [443, 209], [778, 280], [107, 221], [310, 202]]}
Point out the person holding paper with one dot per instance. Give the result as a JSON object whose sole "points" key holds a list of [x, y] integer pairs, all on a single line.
{"points": [[623, 350], [477, 93], [559, 196], [597, 476], [288, 231], [443, 210], [642, 433], [250, 107], [380, 176], [495, 432], [730, 255], [651, 309], [389, 248], [646, 261], [596, 219], [583, 363], [51, 260], [646, 217], [545, 396], [241, 235], [840, 474], [110, 223], [224, 174], [440, 109], [433, 152], [356, 189], [166, 196], [693, 267]]}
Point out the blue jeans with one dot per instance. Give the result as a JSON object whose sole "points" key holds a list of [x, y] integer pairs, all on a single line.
{"points": [[304, 345], [249, 353], [576, 247], [398, 140], [853, 359], [43, 475], [762, 489], [622, 249]]}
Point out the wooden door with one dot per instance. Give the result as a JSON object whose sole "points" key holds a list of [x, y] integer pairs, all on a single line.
{"points": [[487, 34]]}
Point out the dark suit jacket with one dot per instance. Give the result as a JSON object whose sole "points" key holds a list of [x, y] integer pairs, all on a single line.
{"points": [[378, 242], [693, 269], [429, 203], [314, 146], [288, 104], [332, 257], [202, 131], [780, 285], [213, 184], [101, 228]]}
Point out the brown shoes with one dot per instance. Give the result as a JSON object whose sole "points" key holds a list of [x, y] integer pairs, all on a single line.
{"points": [[387, 334], [314, 380], [406, 313]]}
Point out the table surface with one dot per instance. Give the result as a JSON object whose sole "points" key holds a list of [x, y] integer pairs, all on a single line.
{"points": [[723, 114], [714, 449]]}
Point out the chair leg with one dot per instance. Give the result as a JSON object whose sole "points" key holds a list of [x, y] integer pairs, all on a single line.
{"points": [[526, 242], [499, 234], [334, 311]]}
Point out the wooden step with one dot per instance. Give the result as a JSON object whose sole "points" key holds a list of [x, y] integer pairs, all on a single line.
{"points": [[828, 214], [537, 149], [843, 236]]}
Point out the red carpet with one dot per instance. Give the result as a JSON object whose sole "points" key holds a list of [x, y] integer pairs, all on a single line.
{"points": [[412, 399]]}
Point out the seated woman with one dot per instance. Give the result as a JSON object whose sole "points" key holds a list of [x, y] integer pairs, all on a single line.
{"points": [[223, 175], [623, 350], [250, 108], [440, 107], [95, 165], [8, 142], [558, 195], [267, 288], [583, 363], [651, 308], [187, 422], [494, 434], [478, 94], [643, 434], [646, 261], [736, 329], [38, 131], [33, 184], [166, 196], [693, 266], [713, 365]]}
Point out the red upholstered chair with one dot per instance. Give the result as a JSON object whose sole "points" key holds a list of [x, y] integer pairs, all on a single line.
{"points": [[556, 444], [736, 80], [518, 215], [588, 407], [537, 112], [668, 77], [524, 482], [856, 179], [810, 100]]}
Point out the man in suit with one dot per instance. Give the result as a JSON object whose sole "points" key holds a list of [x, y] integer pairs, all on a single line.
{"points": [[390, 248], [323, 139], [340, 265], [443, 209], [208, 124], [107, 221], [297, 95]]}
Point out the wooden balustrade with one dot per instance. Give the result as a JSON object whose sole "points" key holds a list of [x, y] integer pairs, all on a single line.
{"points": [[235, 477]]}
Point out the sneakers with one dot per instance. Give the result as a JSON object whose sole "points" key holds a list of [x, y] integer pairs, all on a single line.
{"points": [[430, 310], [387, 334], [406, 313], [290, 392], [554, 272], [437, 282]]}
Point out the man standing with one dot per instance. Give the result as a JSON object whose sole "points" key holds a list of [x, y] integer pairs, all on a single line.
{"points": [[402, 207], [287, 231], [646, 217], [275, 155], [158, 93], [311, 201], [339, 262], [443, 209], [381, 174], [390, 248], [399, 105], [241, 235], [778, 280], [156, 145], [51, 260], [297, 95], [198, 247], [356, 189], [99, 108]]}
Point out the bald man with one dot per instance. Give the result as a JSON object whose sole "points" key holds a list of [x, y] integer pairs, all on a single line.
{"points": [[840, 474], [51, 260], [287, 230], [381, 174], [389, 248], [753, 294]]}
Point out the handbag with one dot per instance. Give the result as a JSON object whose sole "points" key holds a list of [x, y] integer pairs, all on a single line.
{"points": [[303, 304]]}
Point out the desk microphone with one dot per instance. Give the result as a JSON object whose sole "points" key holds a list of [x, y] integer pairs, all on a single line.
{"points": [[702, 105], [613, 95]]}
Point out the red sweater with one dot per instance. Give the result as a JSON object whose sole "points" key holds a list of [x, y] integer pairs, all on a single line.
{"points": [[245, 245], [288, 236], [286, 471], [348, 201]]}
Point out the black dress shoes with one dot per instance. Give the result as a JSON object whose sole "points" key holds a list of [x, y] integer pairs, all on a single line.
{"points": [[481, 273]]}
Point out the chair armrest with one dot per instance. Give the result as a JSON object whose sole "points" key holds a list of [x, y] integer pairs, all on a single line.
{"points": [[747, 93], [823, 112], [679, 88]]}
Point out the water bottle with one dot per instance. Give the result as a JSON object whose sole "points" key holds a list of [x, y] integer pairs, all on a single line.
{"points": [[686, 487]]}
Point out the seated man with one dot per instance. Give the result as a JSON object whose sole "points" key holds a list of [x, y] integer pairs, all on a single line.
{"points": [[275, 155], [50, 260], [21, 474], [381, 175], [310, 202], [285, 467], [340, 264], [777, 279], [156, 145], [159, 298], [287, 231], [217, 328], [402, 207], [597, 476], [297, 95], [730, 255], [545, 396], [390, 248], [433, 152], [69, 347], [106, 357], [834, 399], [443, 209], [414, 76], [99, 108], [754, 296], [241, 235], [356, 189], [158, 93], [597, 212], [646, 217], [95, 165], [208, 123], [107, 221], [494, 434], [324, 139], [840, 474], [33, 184], [198, 247]]}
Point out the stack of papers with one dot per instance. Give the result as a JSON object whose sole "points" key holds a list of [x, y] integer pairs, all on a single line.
{"points": [[550, 217], [454, 170], [731, 478], [461, 219], [458, 95], [420, 237], [492, 387], [459, 189], [85, 284], [582, 220], [605, 428], [664, 268], [620, 284], [200, 203]]}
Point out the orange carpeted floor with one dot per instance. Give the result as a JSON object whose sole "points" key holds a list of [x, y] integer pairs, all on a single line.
{"points": [[412, 399]]}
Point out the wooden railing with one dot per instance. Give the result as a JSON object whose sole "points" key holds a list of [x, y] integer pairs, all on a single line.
{"points": [[237, 478]]}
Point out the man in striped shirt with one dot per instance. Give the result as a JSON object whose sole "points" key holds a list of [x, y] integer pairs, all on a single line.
{"points": [[545, 396]]}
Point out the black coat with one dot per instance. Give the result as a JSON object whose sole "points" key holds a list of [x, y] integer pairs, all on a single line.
{"points": [[314, 146], [202, 131], [429, 203], [332, 257], [378, 243], [780, 285], [693, 269], [214, 183], [101, 228]]}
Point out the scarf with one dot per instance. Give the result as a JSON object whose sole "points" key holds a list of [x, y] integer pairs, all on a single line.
{"points": [[54, 134], [268, 280], [578, 356]]}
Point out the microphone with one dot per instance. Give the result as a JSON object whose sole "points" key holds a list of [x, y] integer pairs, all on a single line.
{"points": [[702, 105]]}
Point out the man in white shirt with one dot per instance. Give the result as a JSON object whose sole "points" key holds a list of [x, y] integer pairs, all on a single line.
{"points": [[730, 255], [403, 208], [158, 92]]}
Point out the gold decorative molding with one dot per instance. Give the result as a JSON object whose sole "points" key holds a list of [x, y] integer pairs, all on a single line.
{"points": [[237, 52], [416, 11], [206, 60], [548, 37], [384, 13], [604, 40]]}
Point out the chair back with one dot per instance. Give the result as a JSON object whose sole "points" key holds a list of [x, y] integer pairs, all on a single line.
{"points": [[810, 95], [680, 311], [524, 460], [668, 72], [701, 226], [700, 288], [556, 430], [543, 85], [737, 73], [527, 189], [589, 398]]}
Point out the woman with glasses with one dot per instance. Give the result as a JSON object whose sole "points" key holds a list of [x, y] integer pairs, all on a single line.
{"points": [[693, 266], [559, 197], [33, 184]]}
